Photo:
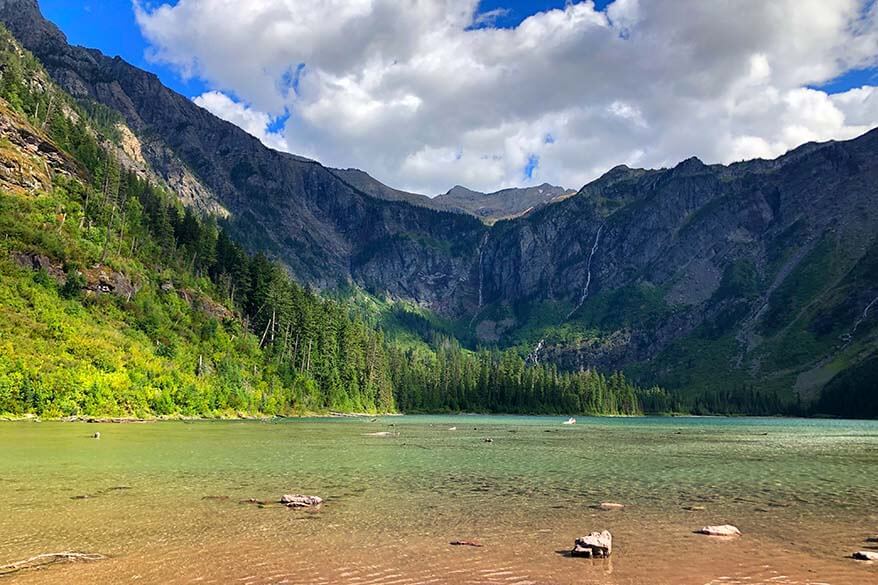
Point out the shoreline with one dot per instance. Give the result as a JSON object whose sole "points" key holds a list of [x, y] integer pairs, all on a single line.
{"points": [[185, 418], [8, 418]]}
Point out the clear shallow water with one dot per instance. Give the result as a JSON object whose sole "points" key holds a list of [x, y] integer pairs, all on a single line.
{"points": [[804, 492]]}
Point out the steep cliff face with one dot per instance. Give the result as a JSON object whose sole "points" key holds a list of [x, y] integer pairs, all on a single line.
{"points": [[325, 229], [758, 269], [762, 271]]}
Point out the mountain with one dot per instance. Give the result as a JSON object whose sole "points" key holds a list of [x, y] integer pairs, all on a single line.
{"points": [[504, 204], [325, 230], [700, 276], [489, 207], [710, 280], [116, 300]]}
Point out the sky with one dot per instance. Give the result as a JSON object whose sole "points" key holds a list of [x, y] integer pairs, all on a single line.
{"points": [[428, 94]]}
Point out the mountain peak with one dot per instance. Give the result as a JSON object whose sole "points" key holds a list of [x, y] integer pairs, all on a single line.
{"points": [[24, 19], [693, 164], [461, 190]]}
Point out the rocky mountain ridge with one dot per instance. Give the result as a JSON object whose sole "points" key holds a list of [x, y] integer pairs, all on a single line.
{"points": [[503, 204], [489, 207]]}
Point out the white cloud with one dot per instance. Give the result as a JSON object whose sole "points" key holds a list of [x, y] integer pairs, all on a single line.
{"points": [[432, 95], [254, 122]]}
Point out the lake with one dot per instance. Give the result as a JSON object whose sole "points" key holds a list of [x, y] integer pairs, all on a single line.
{"points": [[164, 500]]}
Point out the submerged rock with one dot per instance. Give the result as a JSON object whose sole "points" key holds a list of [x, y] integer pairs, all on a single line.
{"points": [[466, 543], [609, 506], [872, 539], [694, 508], [865, 555], [595, 545], [721, 530], [300, 501]]}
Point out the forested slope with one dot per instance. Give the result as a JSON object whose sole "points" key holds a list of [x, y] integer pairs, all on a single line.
{"points": [[116, 300]]}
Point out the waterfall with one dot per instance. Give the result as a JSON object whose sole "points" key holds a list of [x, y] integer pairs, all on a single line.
{"points": [[849, 337], [534, 356], [481, 269], [481, 278], [594, 249], [864, 316]]}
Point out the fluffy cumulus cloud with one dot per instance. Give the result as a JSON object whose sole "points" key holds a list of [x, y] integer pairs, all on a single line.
{"points": [[425, 94]]}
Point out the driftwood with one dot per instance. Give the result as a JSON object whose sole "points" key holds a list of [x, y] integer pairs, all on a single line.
{"points": [[44, 559], [300, 501]]}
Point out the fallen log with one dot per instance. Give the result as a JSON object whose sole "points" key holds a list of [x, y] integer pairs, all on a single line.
{"points": [[44, 559]]}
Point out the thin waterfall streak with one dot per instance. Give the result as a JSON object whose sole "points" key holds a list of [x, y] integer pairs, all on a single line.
{"points": [[481, 277], [849, 337], [584, 296], [864, 316]]}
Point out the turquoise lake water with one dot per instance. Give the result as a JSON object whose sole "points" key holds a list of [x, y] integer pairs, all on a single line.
{"points": [[161, 500]]}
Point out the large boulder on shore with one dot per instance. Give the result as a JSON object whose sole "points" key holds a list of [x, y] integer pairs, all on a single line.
{"points": [[721, 530], [300, 501], [866, 555], [596, 544]]}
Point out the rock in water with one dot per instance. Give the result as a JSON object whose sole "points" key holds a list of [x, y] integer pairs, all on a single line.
{"points": [[595, 545], [610, 506], [722, 530], [865, 555], [300, 501], [96, 436]]}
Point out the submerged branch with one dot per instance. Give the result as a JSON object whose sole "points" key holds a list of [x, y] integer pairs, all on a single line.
{"points": [[44, 559]]}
